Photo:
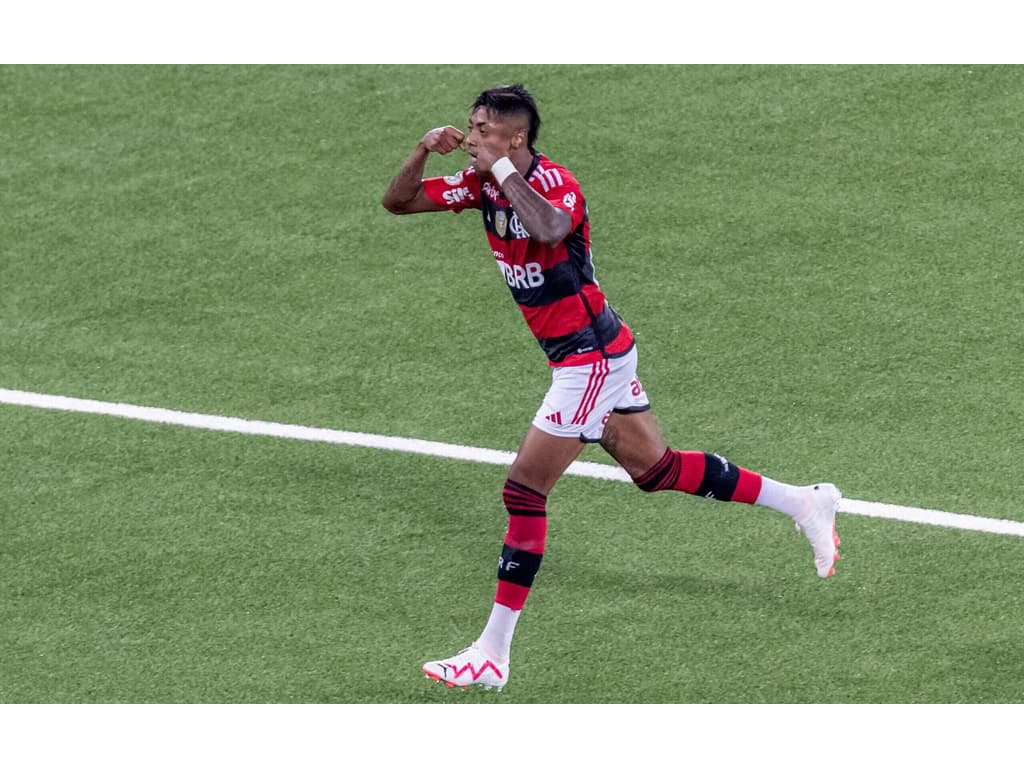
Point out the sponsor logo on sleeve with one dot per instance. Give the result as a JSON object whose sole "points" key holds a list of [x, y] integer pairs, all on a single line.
{"points": [[455, 196]]}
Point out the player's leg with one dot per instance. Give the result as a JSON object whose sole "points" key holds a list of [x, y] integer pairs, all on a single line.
{"points": [[570, 416], [635, 442], [542, 458]]}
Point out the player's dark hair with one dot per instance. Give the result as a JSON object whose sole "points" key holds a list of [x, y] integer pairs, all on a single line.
{"points": [[512, 100]]}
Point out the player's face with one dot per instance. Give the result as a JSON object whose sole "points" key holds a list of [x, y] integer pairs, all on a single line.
{"points": [[498, 135]]}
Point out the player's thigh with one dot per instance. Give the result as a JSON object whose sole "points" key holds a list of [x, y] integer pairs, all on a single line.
{"points": [[633, 440], [542, 459]]}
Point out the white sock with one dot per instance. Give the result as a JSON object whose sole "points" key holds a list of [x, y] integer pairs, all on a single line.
{"points": [[788, 499], [496, 639]]}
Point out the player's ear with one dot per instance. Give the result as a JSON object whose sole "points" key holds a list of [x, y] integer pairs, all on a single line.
{"points": [[518, 138]]}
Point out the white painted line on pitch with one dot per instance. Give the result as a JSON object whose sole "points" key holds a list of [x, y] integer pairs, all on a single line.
{"points": [[932, 517], [449, 451]]}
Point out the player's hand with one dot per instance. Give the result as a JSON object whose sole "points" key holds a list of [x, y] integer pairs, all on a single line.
{"points": [[483, 158], [443, 140]]}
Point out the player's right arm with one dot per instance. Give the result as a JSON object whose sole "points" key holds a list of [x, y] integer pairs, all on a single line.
{"points": [[406, 193]]}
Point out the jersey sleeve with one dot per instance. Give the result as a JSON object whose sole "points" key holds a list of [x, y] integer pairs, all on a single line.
{"points": [[456, 193], [560, 188]]}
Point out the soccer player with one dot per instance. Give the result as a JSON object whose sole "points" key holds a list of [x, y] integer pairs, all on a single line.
{"points": [[536, 222]]}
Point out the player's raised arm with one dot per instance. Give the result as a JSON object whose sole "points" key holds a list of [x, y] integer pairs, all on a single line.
{"points": [[405, 194]]}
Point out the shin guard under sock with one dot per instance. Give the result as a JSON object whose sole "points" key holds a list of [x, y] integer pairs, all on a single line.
{"points": [[701, 474], [524, 544]]}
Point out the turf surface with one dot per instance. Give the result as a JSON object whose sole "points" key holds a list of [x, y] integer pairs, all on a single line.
{"points": [[822, 266]]}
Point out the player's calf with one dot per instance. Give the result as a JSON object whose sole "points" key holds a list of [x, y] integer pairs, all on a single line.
{"points": [[701, 474]]}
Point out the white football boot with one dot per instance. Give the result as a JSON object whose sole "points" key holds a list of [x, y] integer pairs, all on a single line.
{"points": [[471, 666], [818, 523]]}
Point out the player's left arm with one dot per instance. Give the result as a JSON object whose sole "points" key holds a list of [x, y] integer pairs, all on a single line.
{"points": [[542, 220]]}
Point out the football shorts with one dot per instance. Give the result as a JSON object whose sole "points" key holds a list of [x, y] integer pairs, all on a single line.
{"points": [[582, 396]]}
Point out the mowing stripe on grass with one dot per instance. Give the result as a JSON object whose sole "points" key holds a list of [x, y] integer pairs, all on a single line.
{"points": [[446, 450]]}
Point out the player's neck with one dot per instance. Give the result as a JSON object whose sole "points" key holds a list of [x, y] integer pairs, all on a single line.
{"points": [[522, 159]]}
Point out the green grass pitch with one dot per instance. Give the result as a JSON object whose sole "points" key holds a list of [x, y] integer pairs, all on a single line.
{"points": [[822, 265]]}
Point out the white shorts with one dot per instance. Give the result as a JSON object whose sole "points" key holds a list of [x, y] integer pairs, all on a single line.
{"points": [[582, 396]]}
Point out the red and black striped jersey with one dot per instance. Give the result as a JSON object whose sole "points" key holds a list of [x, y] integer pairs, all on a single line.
{"points": [[553, 284]]}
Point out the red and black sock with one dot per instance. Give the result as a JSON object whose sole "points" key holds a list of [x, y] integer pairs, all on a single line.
{"points": [[701, 474], [524, 543]]}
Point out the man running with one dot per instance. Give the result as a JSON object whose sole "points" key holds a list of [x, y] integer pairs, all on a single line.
{"points": [[536, 222]]}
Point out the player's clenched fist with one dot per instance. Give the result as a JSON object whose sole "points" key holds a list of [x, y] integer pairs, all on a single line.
{"points": [[443, 140]]}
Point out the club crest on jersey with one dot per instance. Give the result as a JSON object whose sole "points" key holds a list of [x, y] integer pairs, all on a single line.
{"points": [[500, 223], [453, 181], [518, 230]]}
